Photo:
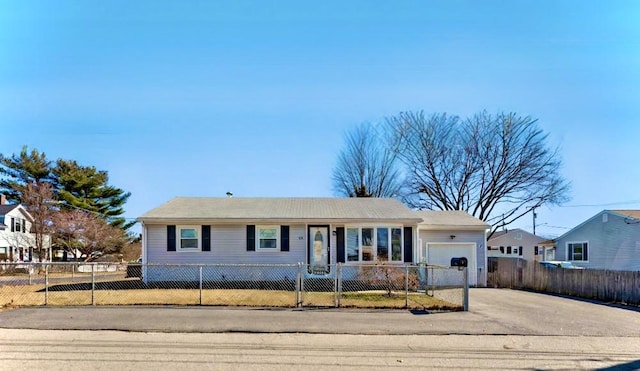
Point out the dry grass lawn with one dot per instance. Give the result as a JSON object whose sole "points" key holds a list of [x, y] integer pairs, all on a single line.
{"points": [[34, 295]]}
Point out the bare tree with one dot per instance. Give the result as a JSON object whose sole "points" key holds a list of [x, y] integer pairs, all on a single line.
{"points": [[87, 233], [38, 200], [497, 168], [366, 166]]}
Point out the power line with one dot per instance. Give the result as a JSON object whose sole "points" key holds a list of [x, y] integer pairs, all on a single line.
{"points": [[606, 204]]}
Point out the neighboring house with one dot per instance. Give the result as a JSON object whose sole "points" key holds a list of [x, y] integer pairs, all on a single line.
{"points": [[16, 243], [609, 240], [453, 234], [520, 244], [318, 232]]}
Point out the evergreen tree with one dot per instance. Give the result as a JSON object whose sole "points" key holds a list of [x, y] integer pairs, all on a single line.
{"points": [[86, 188], [18, 171]]}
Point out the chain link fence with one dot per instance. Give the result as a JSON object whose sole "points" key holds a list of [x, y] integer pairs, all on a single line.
{"points": [[258, 285]]}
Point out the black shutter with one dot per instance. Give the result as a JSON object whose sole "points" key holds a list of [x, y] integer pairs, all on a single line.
{"points": [[251, 238], [206, 238], [284, 238], [24, 226], [13, 225], [340, 246], [171, 238], [408, 245], [585, 252]]}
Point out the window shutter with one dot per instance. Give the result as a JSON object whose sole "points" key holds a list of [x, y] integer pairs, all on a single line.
{"points": [[13, 225], [24, 226], [206, 238], [585, 252], [340, 245], [171, 238], [251, 238], [284, 238], [408, 244], [520, 251]]}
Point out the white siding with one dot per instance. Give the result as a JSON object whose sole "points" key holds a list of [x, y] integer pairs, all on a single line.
{"points": [[477, 237], [613, 245], [228, 246]]}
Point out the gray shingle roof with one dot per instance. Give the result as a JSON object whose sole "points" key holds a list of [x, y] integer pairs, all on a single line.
{"points": [[4, 209], [221, 209], [436, 219]]}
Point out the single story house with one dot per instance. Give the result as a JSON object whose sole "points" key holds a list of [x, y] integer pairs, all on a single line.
{"points": [[318, 232], [520, 244], [609, 240]]}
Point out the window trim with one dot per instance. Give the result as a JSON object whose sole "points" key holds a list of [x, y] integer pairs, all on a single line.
{"points": [[570, 251], [278, 238], [179, 229], [374, 242]]}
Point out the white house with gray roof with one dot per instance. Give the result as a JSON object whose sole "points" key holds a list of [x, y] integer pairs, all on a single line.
{"points": [[319, 232], [16, 241]]}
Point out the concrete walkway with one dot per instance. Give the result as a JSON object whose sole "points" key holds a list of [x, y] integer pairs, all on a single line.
{"points": [[492, 312]]}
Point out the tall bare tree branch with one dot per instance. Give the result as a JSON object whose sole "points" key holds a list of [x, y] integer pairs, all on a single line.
{"points": [[496, 167]]}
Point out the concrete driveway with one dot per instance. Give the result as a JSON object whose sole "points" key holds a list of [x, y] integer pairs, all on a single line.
{"points": [[492, 312]]}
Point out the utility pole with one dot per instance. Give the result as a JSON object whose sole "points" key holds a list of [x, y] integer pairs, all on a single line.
{"points": [[534, 220]]}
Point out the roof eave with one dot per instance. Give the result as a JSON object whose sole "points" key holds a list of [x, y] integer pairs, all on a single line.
{"points": [[174, 220]]}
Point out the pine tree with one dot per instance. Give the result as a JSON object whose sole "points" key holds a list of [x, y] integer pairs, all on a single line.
{"points": [[21, 170], [86, 188]]}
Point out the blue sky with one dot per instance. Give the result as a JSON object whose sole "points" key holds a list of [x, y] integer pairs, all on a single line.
{"points": [[197, 98]]}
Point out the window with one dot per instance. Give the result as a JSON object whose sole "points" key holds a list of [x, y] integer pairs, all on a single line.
{"points": [[577, 251], [396, 244], [353, 245], [535, 250], [501, 249], [367, 244], [508, 249], [383, 243], [374, 244], [267, 237], [18, 225], [188, 238]]}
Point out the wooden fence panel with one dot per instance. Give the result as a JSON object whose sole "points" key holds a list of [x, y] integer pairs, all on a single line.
{"points": [[613, 286]]}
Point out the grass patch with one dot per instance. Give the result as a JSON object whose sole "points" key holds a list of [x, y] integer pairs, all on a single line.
{"points": [[34, 295]]}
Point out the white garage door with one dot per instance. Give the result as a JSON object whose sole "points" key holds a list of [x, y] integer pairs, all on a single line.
{"points": [[441, 254]]}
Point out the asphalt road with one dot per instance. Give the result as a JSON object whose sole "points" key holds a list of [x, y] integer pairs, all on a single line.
{"points": [[504, 329], [118, 350]]}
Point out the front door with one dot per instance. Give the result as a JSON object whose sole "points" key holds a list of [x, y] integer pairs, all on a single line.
{"points": [[318, 249]]}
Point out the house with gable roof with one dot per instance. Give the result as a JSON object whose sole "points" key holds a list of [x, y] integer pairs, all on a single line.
{"points": [[317, 232], [16, 241], [609, 240]]}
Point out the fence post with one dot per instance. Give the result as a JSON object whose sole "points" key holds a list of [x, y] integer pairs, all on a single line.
{"points": [[465, 300], [339, 275], [46, 284], [335, 288], [301, 285], [406, 286], [298, 280], [73, 270], [200, 271], [29, 270], [93, 283]]}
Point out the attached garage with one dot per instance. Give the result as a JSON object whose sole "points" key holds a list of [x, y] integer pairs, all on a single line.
{"points": [[443, 235], [441, 254]]}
